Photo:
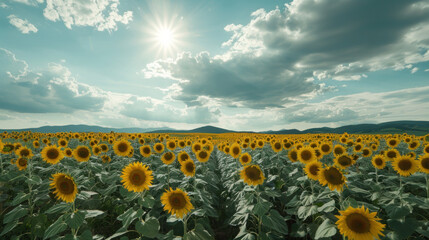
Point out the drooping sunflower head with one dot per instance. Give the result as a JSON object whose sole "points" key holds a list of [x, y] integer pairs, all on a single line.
{"points": [[24, 152], [64, 187], [168, 158], [252, 175], [245, 159], [183, 156], [145, 151], [203, 155], [82, 153], [424, 163], [235, 150], [122, 148], [52, 154], [343, 161], [378, 161], [332, 177], [405, 165], [339, 150], [188, 168], [391, 154], [176, 202], [293, 155], [136, 177], [21, 163], [306, 154], [158, 147], [312, 169], [359, 223]]}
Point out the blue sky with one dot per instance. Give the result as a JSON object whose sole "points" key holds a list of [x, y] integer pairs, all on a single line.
{"points": [[243, 65]]}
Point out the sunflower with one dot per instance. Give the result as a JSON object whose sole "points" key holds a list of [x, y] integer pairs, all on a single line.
{"points": [[145, 151], [105, 159], [391, 154], [158, 147], [82, 153], [339, 150], [276, 146], [414, 145], [36, 144], [142, 141], [196, 147], [122, 148], [168, 158], [21, 163], [293, 155], [104, 147], [358, 147], [136, 177], [359, 223], [312, 169], [287, 145], [183, 156], [188, 168], [96, 150], [24, 152], [378, 161], [65, 187], [68, 152], [176, 202], [52, 154], [261, 144], [332, 177], [253, 145], [62, 142], [326, 148], [245, 158], [235, 150], [203, 156], [343, 161], [424, 163], [7, 148], [171, 145], [306, 154], [393, 142], [252, 175], [366, 152], [426, 149], [405, 165]]}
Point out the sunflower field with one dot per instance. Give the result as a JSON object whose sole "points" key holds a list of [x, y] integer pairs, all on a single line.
{"points": [[213, 186]]}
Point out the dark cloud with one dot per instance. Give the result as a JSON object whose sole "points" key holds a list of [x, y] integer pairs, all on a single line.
{"points": [[279, 54], [50, 91]]}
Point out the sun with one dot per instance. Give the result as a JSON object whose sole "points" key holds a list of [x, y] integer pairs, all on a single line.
{"points": [[165, 37]]}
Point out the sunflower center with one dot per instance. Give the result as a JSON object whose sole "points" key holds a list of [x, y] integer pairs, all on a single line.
{"points": [[365, 152], [294, 155], [306, 155], [425, 163], [122, 147], [137, 177], [325, 148], [146, 150], [22, 162], [168, 156], [287, 145], [358, 147], [413, 145], [314, 170], [378, 162], [253, 173], [391, 154], [392, 142], [277, 146], [404, 165], [358, 223], [172, 145], [66, 186], [333, 176], [177, 201], [52, 153], [104, 147], [25, 152], [202, 154], [245, 158], [338, 151], [235, 150], [62, 143], [184, 157], [83, 152], [344, 161], [190, 167], [158, 147]]}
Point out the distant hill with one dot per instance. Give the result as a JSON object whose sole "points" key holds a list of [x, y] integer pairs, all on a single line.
{"points": [[409, 127]]}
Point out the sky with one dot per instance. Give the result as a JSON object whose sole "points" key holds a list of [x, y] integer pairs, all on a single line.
{"points": [[241, 65]]}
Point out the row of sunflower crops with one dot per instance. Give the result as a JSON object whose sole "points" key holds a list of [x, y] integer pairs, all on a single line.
{"points": [[213, 186]]}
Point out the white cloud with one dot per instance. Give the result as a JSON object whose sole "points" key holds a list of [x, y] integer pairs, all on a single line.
{"points": [[29, 2], [414, 70], [23, 26], [3, 5], [101, 14]]}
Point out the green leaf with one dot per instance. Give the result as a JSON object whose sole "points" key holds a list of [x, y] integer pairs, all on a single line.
{"points": [[403, 229], [275, 221], [75, 219], [248, 236], [327, 207], [55, 228], [62, 207], [198, 233], [325, 230], [148, 201], [21, 197], [9, 227], [149, 228], [116, 235], [397, 212], [36, 180], [129, 216], [87, 235], [262, 207], [17, 213], [92, 213]]}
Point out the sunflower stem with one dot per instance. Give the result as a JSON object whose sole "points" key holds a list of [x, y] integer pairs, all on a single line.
{"points": [[30, 204], [427, 185], [376, 175], [168, 176], [185, 225]]}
